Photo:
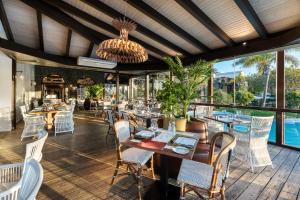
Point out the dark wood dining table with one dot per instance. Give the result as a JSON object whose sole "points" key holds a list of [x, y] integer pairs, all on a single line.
{"points": [[162, 189]]}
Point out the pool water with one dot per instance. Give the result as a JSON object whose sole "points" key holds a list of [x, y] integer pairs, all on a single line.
{"points": [[291, 131]]}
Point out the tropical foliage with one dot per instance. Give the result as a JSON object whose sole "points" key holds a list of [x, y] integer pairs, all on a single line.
{"points": [[95, 91], [263, 64], [188, 80]]}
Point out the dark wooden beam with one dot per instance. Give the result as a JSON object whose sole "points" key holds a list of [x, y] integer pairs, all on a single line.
{"points": [[5, 22], [98, 5], [14, 94], [90, 49], [142, 66], [93, 20], [252, 17], [273, 41], [164, 21], [280, 97], [68, 45], [66, 20], [10, 48], [196, 12], [40, 29]]}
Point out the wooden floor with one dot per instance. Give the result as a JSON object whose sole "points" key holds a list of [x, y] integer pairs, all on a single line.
{"points": [[80, 166]]}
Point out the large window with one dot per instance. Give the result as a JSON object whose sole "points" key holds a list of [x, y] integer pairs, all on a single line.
{"points": [[292, 97], [156, 83], [247, 81], [292, 78], [138, 88]]}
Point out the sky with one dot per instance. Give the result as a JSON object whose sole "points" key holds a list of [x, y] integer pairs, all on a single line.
{"points": [[227, 66]]}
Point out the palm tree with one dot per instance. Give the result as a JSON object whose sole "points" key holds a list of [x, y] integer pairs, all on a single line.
{"points": [[263, 64]]}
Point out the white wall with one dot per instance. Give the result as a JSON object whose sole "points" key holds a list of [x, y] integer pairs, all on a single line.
{"points": [[6, 91], [25, 88]]}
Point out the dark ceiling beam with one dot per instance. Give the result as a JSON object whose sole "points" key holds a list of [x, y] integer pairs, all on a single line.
{"points": [[65, 20], [12, 47], [68, 45], [199, 15], [98, 5], [40, 29], [142, 66], [5, 22], [274, 41], [91, 19], [164, 21], [252, 17]]}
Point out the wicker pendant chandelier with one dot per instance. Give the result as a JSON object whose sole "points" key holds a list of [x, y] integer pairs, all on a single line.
{"points": [[121, 49]]}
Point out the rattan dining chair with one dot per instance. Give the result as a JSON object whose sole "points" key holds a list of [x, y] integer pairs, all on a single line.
{"points": [[252, 145], [134, 159], [207, 180], [34, 149], [64, 122], [33, 124]]}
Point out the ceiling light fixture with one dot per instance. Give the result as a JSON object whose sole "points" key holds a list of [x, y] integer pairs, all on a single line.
{"points": [[121, 49]]}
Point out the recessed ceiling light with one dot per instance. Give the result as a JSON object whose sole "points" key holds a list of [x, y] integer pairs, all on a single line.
{"points": [[244, 43]]}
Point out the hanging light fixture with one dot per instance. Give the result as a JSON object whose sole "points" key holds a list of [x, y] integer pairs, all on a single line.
{"points": [[121, 49]]}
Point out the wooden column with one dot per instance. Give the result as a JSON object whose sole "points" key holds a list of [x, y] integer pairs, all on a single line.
{"points": [[14, 93], [130, 92], [146, 88], [210, 90], [280, 98], [117, 87]]}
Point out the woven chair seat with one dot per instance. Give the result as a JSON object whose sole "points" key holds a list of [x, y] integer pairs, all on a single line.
{"points": [[197, 174], [137, 156]]}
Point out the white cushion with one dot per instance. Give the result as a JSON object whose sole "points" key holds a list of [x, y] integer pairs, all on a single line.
{"points": [[138, 156], [197, 174]]}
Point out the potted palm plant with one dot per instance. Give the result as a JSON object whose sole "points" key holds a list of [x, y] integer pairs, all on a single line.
{"points": [[186, 84], [169, 102], [94, 92]]}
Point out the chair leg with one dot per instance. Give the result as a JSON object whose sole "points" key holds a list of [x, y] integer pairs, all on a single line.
{"points": [[139, 172], [107, 133], [182, 194], [152, 168], [222, 193], [115, 173]]}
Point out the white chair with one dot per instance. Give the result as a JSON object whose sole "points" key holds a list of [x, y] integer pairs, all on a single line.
{"points": [[134, 158], [33, 125], [22, 181], [63, 122], [252, 145], [208, 178], [34, 149], [110, 119]]}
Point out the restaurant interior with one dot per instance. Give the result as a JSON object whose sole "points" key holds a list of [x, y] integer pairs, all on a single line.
{"points": [[149, 99]]}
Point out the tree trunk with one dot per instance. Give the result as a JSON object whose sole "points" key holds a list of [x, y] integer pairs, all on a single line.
{"points": [[266, 88]]}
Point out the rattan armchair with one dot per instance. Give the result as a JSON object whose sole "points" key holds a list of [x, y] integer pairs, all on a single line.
{"points": [[208, 180], [134, 159]]}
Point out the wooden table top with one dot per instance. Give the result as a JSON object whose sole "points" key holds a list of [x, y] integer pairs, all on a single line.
{"points": [[159, 147], [43, 112]]}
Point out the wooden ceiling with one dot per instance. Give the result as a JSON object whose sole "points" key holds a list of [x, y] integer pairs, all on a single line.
{"points": [[51, 31]]}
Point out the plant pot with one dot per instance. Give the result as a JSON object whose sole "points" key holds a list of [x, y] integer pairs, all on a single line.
{"points": [[87, 104], [180, 124], [166, 123]]}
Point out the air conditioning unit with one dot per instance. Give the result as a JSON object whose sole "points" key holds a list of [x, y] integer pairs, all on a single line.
{"points": [[93, 62]]}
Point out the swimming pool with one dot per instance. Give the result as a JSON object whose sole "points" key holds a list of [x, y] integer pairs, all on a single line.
{"points": [[291, 130]]}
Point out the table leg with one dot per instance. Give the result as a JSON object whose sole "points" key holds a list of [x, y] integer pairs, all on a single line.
{"points": [[49, 121], [164, 176]]}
